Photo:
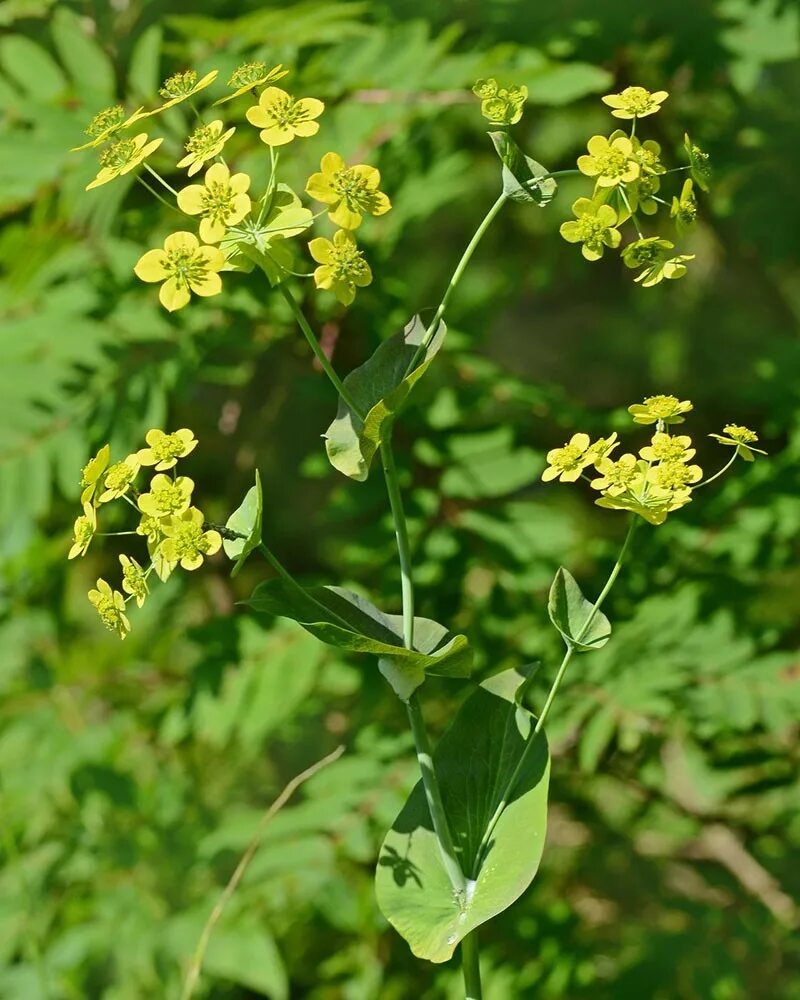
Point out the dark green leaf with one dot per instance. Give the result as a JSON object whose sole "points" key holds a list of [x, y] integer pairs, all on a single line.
{"points": [[521, 173], [346, 620], [379, 387], [570, 611], [246, 520], [474, 761]]}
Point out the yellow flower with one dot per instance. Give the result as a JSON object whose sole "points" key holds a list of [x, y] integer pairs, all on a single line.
{"points": [[150, 526], [674, 476], [186, 542], [181, 86], [593, 227], [167, 496], [350, 191], [281, 118], [165, 449], [122, 156], [110, 606], [250, 75], [635, 102], [342, 266], [684, 208], [648, 155], [134, 580], [611, 162], [222, 201], [666, 448], [85, 527], [603, 447], [106, 123], [184, 266], [92, 471], [567, 463], [119, 478], [618, 477], [203, 144], [741, 438], [660, 409], [500, 105]]}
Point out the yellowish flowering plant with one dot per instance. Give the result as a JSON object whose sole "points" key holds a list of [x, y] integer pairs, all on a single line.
{"points": [[245, 224]]}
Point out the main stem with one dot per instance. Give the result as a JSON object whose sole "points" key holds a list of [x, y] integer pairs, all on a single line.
{"points": [[470, 963], [551, 695]]}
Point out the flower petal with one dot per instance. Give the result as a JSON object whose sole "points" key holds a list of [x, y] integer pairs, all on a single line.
{"points": [[150, 266], [190, 199], [211, 284], [172, 296], [181, 241], [320, 249]]}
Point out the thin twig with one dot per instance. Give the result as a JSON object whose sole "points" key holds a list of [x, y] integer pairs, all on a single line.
{"points": [[196, 966]]}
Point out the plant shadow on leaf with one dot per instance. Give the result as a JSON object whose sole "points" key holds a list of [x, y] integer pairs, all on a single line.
{"points": [[474, 761]]}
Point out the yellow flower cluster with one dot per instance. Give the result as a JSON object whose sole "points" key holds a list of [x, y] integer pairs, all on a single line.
{"points": [[175, 532], [657, 481], [627, 173], [238, 231]]}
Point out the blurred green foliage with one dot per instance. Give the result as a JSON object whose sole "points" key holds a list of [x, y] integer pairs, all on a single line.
{"points": [[132, 775]]}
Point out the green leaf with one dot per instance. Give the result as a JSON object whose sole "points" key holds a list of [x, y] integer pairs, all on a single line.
{"points": [[341, 618], [145, 62], [521, 173], [88, 65], [32, 68], [246, 520], [570, 611], [474, 761], [379, 388]]}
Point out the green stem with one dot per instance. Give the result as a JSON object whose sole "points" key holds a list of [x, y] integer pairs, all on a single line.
{"points": [[631, 212], [401, 534], [160, 179], [155, 194], [457, 274], [319, 354], [433, 795], [512, 782], [285, 575], [721, 472], [470, 963]]}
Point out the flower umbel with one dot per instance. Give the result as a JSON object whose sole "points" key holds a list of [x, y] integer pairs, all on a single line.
{"points": [[250, 75], [281, 118], [221, 200], [203, 144], [119, 478], [134, 580], [500, 105], [593, 227], [740, 438], [668, 448], [351, 192], [617, 477], [110, 606], [342, 265], [635, 102], [83, 533], [167, 496], [165, 449], [186, 542], [184, 266], [611, 161], [684, 208], [699, 164], [180, 86], [567, 463], [106, 123], [92, 471], [121, 157], [660, 409], [674, 475]]}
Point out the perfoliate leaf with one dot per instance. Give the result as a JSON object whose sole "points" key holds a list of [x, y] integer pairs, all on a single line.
{"points": [[521, 173], [344, 619], [379, 387], [474, 762], [246, 520], [570, 611]]}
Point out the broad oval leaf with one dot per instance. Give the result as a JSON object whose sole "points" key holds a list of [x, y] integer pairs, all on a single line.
{"points": [[572, 615], [341, 618], [474, 762], [521, 174], [379, 388], [245, 520]]}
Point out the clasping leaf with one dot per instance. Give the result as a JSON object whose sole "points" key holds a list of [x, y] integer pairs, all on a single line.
{"points": [[521, 174], [245, 520], [570, 612]]}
